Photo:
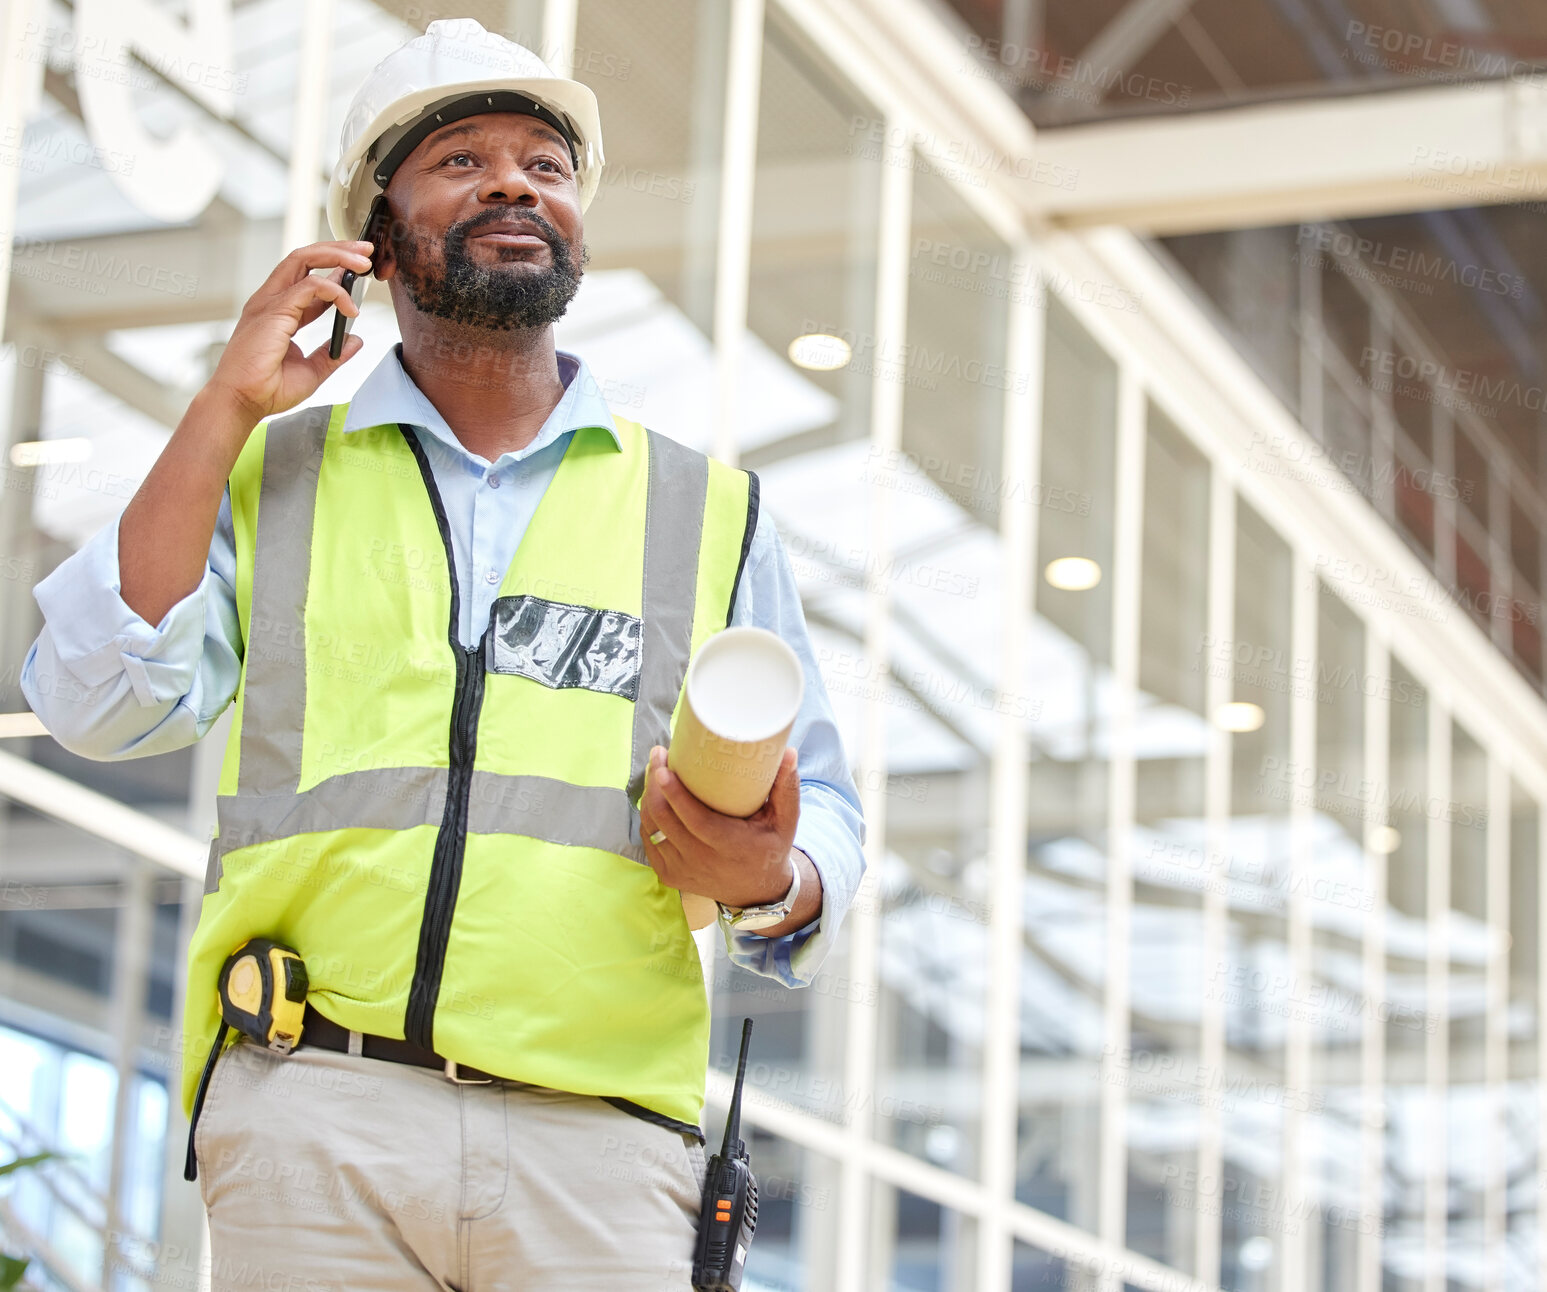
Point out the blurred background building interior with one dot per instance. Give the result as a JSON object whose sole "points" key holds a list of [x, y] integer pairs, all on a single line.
{"points": [[1150, 395]]}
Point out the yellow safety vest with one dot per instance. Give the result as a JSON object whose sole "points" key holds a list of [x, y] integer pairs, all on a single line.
{"points": [[482, 893]]}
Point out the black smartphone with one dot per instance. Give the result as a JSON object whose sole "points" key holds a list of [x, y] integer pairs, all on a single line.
{"points": [[352, 282]]}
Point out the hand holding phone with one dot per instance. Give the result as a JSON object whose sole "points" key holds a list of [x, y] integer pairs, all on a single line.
{"points": [[353, 283]]}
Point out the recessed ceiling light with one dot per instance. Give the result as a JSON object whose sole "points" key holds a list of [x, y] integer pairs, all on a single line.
{"points": [[39, 453], [1385, 839], [1256, 1253], [1240, 716], [1073, 573], [820, 351]]}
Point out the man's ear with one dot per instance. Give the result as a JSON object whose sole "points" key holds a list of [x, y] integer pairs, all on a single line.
{"points": [[382, 236]]}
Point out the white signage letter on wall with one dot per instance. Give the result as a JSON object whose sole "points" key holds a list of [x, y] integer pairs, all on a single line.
{"points": [[172, 179]]}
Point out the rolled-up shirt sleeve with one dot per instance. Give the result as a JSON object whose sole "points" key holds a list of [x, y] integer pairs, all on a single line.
{"points": [[107, 684], [831, 830]]}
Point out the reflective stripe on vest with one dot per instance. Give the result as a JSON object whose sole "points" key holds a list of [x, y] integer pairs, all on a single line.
{"points": [[408, 869]]}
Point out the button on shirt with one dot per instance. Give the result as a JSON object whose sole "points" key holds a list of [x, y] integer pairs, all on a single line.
{"points": [[108, 685]]}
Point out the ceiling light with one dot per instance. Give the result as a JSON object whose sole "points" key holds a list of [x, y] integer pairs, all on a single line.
{"points": [[1385, 839], [1073, 573], [1239, 716], [820, 351], [42, 453], [1256, 1253]]}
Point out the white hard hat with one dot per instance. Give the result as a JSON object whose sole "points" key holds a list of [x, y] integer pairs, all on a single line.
{"points": [[456, 69]]}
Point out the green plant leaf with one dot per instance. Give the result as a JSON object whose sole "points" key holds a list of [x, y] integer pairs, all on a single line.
{"points": [[23, 1162], [11, 1271]]}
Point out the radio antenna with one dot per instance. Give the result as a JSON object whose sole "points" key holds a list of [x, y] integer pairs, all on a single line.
{"points": [[733, 1118]]}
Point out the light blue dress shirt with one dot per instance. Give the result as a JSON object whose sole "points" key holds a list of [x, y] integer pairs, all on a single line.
{"points": [[108, 685]]}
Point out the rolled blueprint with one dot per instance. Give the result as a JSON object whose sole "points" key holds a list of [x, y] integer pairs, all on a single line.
{"points": [[739, 703]]}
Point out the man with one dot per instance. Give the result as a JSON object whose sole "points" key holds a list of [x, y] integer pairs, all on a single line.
{"points": [[455, 615]]}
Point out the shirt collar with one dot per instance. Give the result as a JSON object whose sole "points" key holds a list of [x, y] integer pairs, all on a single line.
{"points": [[389, 395]]}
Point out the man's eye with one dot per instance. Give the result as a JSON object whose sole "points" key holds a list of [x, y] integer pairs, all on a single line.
{"points": [[456, 157], [550, 164]]}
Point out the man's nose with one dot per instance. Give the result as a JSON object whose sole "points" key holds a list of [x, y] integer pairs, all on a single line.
{"points": [[507, 181]]}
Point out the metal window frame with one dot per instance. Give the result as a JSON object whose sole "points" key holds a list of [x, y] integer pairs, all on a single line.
{"points": [[310, 114], [1009, 792], [1541, 1039], [1495, 1219], [886, 407], [1437, 1042], [1218, 764], [733, 247], [1127, 562], [1377, 771], [1304, 619]]}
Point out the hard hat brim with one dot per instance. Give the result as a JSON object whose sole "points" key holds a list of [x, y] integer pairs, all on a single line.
{"points": [[354, 186]]}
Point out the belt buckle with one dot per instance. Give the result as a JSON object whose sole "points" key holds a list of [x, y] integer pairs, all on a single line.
{"points": [[452, 1075]]}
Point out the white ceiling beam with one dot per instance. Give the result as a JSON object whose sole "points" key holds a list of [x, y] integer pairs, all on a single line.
{"points": [[140, 279], [87, 354], [113, 822], [1283, 163], [120, 378]]}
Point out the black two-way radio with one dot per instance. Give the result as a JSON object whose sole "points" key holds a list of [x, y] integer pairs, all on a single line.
{"points": [[729, 1216]]}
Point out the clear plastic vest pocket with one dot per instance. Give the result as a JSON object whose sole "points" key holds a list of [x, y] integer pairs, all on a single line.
{"points": [[563, 646]]}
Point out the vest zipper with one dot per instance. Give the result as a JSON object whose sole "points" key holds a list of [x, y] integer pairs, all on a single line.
{"points": [[440, 898]]}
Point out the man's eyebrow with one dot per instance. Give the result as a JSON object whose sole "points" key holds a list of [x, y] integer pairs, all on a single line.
{"points": [[471, 128], [554, 135], [451, 132]]}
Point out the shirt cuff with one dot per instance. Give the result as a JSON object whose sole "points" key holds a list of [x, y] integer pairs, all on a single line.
{"points": [[98, 637], [794, 958]]}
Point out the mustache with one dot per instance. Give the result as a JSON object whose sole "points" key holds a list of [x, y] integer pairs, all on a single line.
{"points": [[460, 232]]}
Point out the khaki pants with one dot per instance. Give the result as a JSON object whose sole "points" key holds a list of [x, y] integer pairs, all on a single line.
{"points": [[326, 1170]]}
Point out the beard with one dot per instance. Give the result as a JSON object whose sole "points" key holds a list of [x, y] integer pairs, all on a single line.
{"points": [[514, 292]]}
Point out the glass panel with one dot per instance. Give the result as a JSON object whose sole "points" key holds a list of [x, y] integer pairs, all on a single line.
{"points": [[1346, 437], [1034, 1270], [1345, 314], [653, 229], [1471, 476], [1472, 580], [63, 1099], [1251, 277], [1409, 1122], [1252, 980], [1526, 635], [946, 630], [1412, 398], [1341, 900], [1163, 1078], [806, 439], [1469, 1120], [1068, 677], [1525, 542], [63, 920], [1522, 1100], [922, 1246], [1414, 502], [797, 1214]]}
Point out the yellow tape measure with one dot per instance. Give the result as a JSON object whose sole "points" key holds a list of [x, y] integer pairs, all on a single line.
{"points": [[262, 992], [262, 989]]}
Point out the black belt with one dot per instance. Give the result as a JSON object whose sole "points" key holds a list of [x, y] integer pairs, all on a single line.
{"points": [[325, 1034]]}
